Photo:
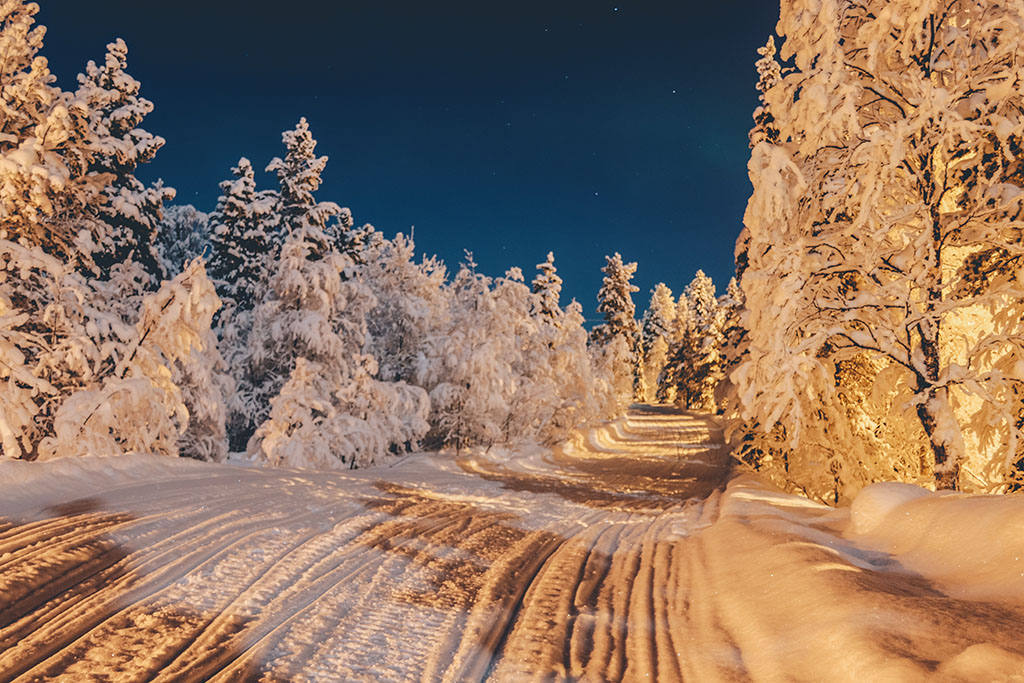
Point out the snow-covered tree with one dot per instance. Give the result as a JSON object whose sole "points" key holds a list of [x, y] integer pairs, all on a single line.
{"points": [[656, 334], [310, 388], [299, 176], [44, 154], [138, 407], [547, 285], [615, 301], [694, 366], [468, 367], [769, 73], [132, 211], [181, 237], [886, 221], [310, 376], [412, 305], [707, 363], [244, 233]]}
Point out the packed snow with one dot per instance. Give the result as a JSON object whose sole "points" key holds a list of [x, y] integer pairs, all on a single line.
{"points": [[622, 554]]}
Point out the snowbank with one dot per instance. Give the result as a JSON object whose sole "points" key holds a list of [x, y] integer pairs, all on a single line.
{"points": [[971, 545], [905, 584]]}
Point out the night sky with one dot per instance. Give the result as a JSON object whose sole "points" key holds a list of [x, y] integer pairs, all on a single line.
{"points": [[506, 128]]}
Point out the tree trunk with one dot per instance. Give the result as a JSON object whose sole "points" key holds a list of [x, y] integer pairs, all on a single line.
{"points": [[947, 457], [935, 410]]}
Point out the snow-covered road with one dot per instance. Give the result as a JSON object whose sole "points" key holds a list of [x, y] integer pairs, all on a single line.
{"points": [[615, 557]]}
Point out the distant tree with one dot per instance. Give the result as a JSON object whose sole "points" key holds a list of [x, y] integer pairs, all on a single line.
{"points": [[182, 236], [656, 330], [694, 366], [244, 235], [707, 363], [547, 285], [615, 301], [132, 211], [299, 177]]}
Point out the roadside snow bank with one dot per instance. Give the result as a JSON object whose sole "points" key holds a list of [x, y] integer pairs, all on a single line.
{"points": [[972, 546], [931, 589]]}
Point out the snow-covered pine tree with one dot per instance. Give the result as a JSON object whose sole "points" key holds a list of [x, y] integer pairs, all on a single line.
{"points": [[468, 367], [734, 339], [707, 363], [615, 301], [244, 233], [547, 285], [656, 330], [680, 350], [769, 72], [43, 146], [896, 180], [298, 175], [310, 385], [118, 145], [694, 367], [308, 363], [181, 237], [585, 392]]}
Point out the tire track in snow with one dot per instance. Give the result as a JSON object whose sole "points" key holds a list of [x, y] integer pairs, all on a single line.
{"points": [[559, 568]]}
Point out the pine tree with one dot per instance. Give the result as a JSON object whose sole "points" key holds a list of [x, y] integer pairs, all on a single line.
{"points": [[469, 367], [769, 73], [298, 174], [734, 334], [310, 389], [547, 285], [243, 237], [43, 150], [412, 305], [694, 367], [314, 398], [615, 301], [656, 329], [706, 366], [182, 236], [132, 212]]}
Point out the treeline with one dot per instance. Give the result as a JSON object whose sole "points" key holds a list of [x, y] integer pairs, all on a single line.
{"points": [[882, 336], [274, 325]]}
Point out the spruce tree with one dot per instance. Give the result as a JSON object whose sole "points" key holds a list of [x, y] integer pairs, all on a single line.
{"points": [[43, 152], [299, 177], [615, 301], [131, 212], [183, 235], [547, 285], [656, 328], [244, 235]]}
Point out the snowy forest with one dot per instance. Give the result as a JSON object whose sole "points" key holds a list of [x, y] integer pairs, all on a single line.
{"points": [[873, 331], [273, 326], [255, 438]]}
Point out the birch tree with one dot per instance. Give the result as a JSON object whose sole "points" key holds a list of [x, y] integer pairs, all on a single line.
{"points": [[887, 212]]}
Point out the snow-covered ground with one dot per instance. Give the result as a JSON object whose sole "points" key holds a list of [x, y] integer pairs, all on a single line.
{"points": [[618, 556]]}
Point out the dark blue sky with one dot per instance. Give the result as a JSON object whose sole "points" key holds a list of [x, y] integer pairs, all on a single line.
{"points": [[506, 128]]}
